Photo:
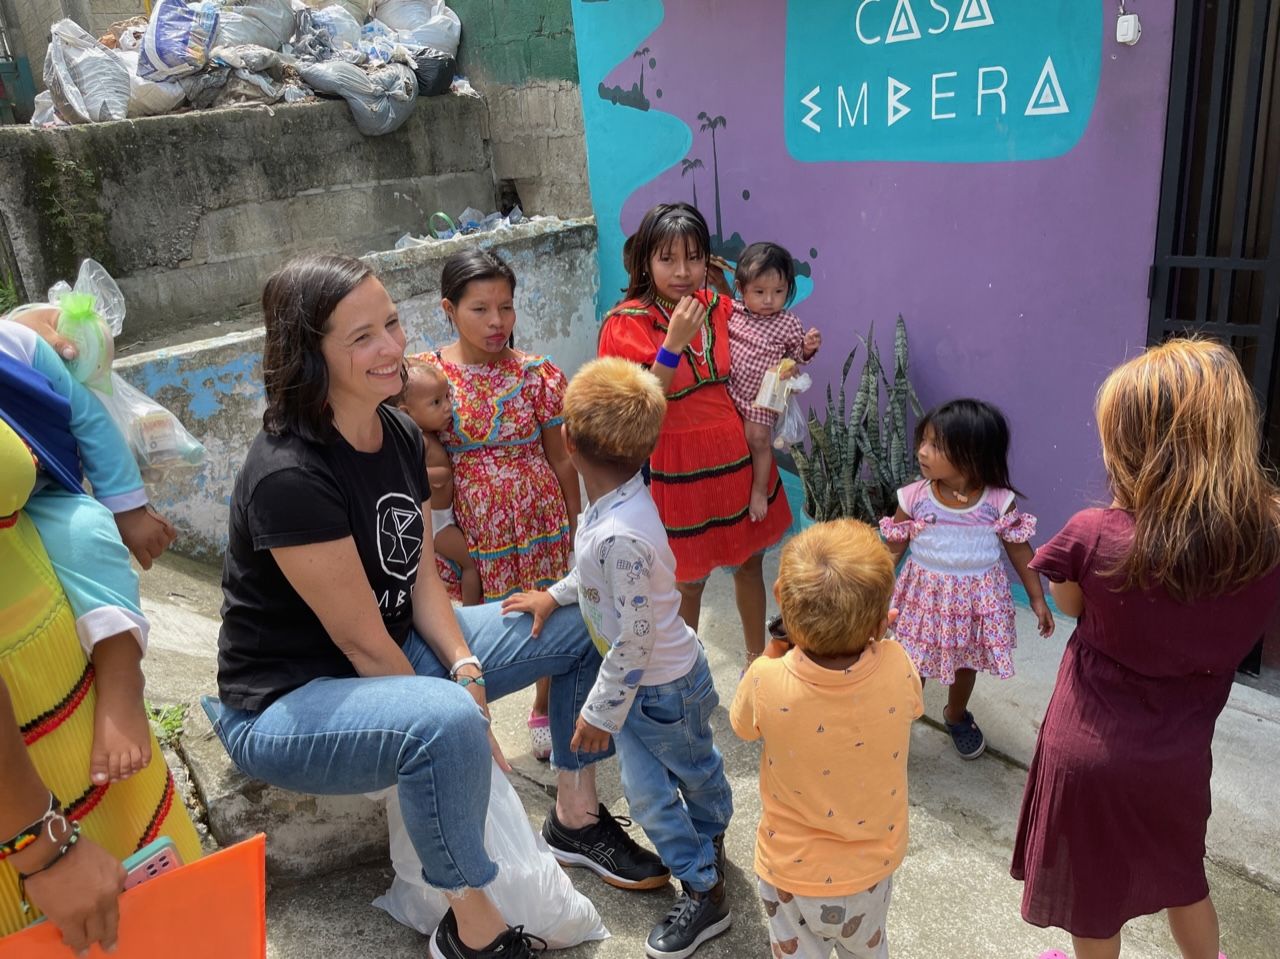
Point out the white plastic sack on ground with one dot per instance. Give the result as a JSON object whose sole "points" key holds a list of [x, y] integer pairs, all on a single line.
{"points": [[146, 98], [45, 115], [130, 36], [423, 23], [380, 100], [359, 9], [531, 889], [342, 29], [177, 40], [88, 82], [264, 23], [255, 59]]}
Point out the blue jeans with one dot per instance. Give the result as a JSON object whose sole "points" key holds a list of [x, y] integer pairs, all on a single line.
{"points": [[673, 775], [422, 734]]}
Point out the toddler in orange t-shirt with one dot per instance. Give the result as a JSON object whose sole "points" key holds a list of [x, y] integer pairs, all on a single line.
{"points": [[835, 714]]}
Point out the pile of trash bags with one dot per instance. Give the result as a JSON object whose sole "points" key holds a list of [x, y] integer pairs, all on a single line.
{"points": [[216, 53]]}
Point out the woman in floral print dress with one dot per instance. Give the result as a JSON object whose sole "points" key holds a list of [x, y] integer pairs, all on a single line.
{"points": [[516, 495]]}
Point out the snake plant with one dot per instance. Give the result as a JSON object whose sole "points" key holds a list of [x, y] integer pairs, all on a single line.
{"points": [[861, 452]]}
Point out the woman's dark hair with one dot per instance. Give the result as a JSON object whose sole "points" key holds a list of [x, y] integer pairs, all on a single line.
{"points": [[662, 225], [974, 436], [761, 258], [471, 266], [297, 302]]}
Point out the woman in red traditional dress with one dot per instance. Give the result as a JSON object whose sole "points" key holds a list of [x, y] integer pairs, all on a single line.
{"points": [[701, 470]]}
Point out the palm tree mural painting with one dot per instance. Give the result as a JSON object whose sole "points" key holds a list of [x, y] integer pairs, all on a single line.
{"points": [[714, 123], [640, 55], [690, 167]]}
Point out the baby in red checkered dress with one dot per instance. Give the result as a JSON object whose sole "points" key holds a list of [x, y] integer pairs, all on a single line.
{"points": [[762, 332]]}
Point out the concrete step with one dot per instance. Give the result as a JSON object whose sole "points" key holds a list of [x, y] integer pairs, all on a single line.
{"points": [[952, 897]]}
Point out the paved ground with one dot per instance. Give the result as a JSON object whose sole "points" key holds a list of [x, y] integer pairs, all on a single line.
{"points": [[953, 898]]}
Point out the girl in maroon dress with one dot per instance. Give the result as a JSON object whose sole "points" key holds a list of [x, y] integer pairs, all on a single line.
{"points": [[1172, 585]]}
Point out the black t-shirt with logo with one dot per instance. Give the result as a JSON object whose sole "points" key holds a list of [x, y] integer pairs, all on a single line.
{"points": [[290, 493]]}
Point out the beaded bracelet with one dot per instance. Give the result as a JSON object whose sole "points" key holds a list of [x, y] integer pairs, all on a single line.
{"points": [[68, 841], [25, 837]]}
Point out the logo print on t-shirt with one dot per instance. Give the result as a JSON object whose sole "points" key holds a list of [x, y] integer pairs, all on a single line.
{"points": [[399, 535]]}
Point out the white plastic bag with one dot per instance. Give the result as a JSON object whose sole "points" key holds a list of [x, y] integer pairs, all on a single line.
{"points": [[264, 23], [359, 9], [531, 889], [159, 441], [338, 25], [88, 82], [422, 23], [177, 40], [93, 335], [45, 115], [146, 97], [380, 99], [791, 426]]}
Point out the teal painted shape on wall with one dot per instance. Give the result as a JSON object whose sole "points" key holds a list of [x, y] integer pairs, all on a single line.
{"points": [[626, 148], [953, 81]]}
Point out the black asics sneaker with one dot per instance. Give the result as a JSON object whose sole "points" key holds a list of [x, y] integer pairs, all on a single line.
{"points": [[606, 848], [695, 918], [515, 943]]}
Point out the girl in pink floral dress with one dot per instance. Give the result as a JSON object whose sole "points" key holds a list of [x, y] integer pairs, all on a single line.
{"points": [[956, 615], [516, 494]]}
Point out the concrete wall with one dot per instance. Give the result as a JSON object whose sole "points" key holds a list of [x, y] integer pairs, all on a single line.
{"points": [[191, 212], [215, 385], [29, 22], [521, 55], [1013, 231], [103, 13]]}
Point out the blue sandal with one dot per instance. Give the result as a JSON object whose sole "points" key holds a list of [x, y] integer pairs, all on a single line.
{"points": [[966, 736]]}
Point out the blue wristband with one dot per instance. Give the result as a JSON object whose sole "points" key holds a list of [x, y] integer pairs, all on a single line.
{"points": [[666, 358]]}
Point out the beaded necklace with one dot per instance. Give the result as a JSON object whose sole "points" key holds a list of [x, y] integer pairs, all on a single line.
{"points": [[665, 307]]}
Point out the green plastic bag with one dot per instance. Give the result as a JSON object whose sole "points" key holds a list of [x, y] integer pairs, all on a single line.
{"points": [[78, 321]]}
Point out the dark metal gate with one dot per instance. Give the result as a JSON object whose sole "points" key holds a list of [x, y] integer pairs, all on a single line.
{"points": [[1217, 262]]}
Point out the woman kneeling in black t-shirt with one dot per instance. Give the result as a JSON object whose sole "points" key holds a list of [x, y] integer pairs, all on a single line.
{"points": [[342, 666]]}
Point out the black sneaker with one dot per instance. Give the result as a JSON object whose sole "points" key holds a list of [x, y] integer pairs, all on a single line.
{"points": [[695, 918], [605, 848], [515, 943], [722, 860]]}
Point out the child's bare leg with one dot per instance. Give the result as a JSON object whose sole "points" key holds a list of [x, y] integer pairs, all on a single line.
{"points": [[759, 441], [1195, 929], [691, 602], [1096, 948], [748, 590], [958, 695], [452, 545], [121, 733], [472, 587], [542, 696]]}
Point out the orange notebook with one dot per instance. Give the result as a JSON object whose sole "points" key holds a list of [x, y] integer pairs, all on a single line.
{"points": [[214, 908]]}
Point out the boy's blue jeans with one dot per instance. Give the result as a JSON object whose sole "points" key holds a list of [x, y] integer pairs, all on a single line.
{"points": [[423, 734], [673, 775]]}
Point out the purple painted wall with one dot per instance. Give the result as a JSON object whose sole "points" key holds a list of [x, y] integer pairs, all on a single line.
{"points": [[1022, 283]]}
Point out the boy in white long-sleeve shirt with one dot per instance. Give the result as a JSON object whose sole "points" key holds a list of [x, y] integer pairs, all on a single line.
{"points": [[654, 692]]}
